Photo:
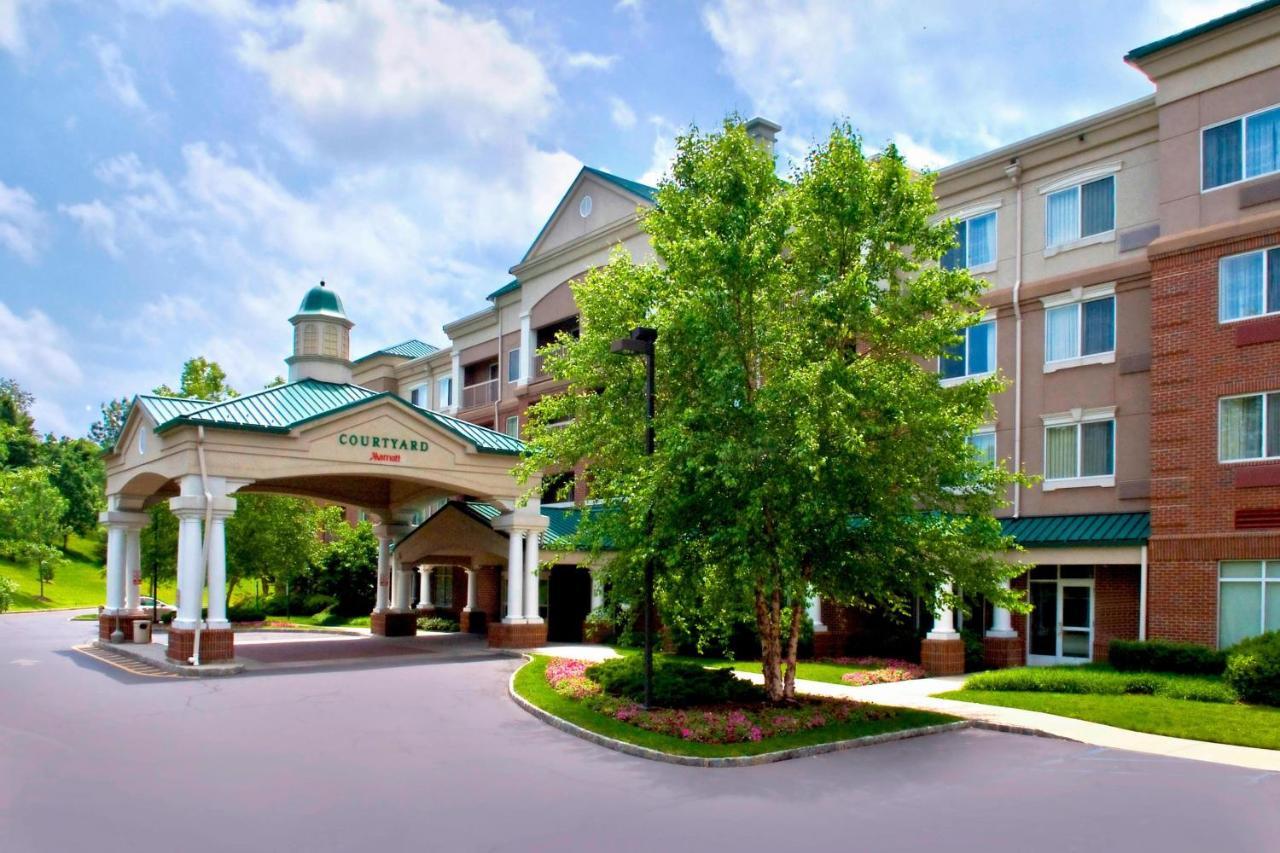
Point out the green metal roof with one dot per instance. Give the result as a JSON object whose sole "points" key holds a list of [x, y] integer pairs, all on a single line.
{"points": [[286, 407], [509, 287], [564, 522], [1096, 529], [163, 409], [1208, 26], [412, 348], [322, 300]]}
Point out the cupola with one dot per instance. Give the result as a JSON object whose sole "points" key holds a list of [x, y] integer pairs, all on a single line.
{"points": [[321, 338]]}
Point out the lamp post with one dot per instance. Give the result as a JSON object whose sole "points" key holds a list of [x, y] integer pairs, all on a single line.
{"points": [[641, 342]]}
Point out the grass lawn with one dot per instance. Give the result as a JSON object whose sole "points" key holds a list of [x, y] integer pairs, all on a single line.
{"points": [[807, 670], [531, 683], [1242, 725], [80, 584]]}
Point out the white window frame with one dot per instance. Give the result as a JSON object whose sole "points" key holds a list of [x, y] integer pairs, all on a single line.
{"points": [[442, 401], [1078, 296], [1275, 451], [1244, 149], [989, 317], [964, 217], [984, 431], [506, 426], [1266, 261], [1078, 418], [1076, 180], [424, 395], [1263, 580], [513, 360]]}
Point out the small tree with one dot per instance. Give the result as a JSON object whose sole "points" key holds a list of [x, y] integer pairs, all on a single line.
{"points": [[31, 525], [8, 589], [202, 379], [76, 470], [804, 442], [106, 429]]}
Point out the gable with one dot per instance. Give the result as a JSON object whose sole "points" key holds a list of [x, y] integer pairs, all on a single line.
{"points": [[611, 201]]}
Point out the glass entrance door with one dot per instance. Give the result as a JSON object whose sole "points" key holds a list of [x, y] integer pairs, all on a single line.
{"points": [[1061, 622]]}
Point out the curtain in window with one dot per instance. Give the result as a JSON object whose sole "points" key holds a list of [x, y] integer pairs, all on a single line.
{"points": [[1097, 449], [1062, 332], [1271, 610], [1098, 206], [1272, 446], [1062, 217], [1060, 452], [1099, 325], [1221, 155], [1240, 286], [982, 348], [984, 446], [1273, 280], [1240, 428], [982, 240], [1262, 144], [954, 259], [1239, 608], [952, 367]]}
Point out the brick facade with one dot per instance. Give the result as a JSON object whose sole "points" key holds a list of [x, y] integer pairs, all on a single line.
{"points": [[216, 644], [1196, 360], [388, 624], [517, 636], [1115, 607], [942, 657], [107, 625]]}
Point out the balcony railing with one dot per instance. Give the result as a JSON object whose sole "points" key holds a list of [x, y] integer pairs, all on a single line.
{"points": [[479, 394]]}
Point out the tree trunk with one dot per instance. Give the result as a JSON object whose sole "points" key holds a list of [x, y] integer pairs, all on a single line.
{"points": [[767, 621], [793, 645]]}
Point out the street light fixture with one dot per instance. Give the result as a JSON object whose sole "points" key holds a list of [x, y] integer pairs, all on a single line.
{"points": [[641, 342]]}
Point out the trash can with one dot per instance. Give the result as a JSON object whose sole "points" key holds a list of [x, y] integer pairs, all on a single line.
{"points": [[142, 630]]}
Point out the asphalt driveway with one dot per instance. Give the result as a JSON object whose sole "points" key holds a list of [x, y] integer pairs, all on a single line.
{"points": [[434, 756]]}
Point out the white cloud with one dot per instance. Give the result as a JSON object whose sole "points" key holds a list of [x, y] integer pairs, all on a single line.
{"points": [[97, 221], [22, 225], [1179, 15], [119, 75], [34, 351], [664, 150], [920, 156], [12, 36], [592, 61], [621, 113]]}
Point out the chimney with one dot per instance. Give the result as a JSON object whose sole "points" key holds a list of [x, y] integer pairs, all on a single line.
{"points": [[763, 131]]}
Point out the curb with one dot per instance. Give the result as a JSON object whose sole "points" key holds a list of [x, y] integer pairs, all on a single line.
{"points": [[208, 670], [726, 761]]}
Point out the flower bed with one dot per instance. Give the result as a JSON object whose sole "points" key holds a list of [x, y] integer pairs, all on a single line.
{"points": [[710, 724], [877, 670]]}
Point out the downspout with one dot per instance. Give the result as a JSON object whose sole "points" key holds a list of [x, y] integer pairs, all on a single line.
{"points": [[1142, 594], [208, 525], [1014, 171], [502, 376]]}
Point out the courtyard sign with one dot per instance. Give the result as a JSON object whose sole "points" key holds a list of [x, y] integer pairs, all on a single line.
{"points": [[379, 444]]}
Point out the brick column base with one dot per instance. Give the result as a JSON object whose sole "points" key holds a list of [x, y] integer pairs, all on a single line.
{"points": [[388, 624], [1003, 652], [216, 645], [472, 621], [829, 644], [942, 657], [519, 635], [107, 624]]}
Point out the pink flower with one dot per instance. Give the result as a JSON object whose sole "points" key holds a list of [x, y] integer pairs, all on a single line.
{"points": [[755, 733]]}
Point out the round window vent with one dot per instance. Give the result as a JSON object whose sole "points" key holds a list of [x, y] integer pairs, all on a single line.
{"points": [[584, 207]]}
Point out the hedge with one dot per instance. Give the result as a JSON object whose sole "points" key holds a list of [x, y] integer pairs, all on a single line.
{"points": [[1160, 656], [1253, 668], [1085, 681]]}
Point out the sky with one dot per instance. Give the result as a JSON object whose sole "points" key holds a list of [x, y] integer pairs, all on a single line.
{"points": [[175, 174]]}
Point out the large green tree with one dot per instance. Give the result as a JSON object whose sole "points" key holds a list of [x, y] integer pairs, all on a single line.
{"points": [[804, 442], [31, 526], [76, 470], [19, 444], [202, 379], [271, 537]]}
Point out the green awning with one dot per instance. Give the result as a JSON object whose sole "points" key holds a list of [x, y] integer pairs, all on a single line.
{"points": [[1114, 529]]}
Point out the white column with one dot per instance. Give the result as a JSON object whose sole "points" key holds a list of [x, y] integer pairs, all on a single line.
{"points": [[403, 589], [597, 592], [515, 576], [526, 349], [190, 569], [384, 572], [424, 588], [1002, 621], [115, 568], [531, 561], [217, 534], [472, 596], [944, 623], [133, 567], [456, 367], [815, 613]]}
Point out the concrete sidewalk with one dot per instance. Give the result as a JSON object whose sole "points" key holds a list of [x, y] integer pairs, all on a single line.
{"points": [[919, 694]]}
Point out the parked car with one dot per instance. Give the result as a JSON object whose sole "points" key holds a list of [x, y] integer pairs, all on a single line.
{"points": [[146, 602]]}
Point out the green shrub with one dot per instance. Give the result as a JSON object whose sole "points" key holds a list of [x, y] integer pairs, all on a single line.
{"points": [[1253, 668], [675, 684], [1103, 682], [318, 603], [437, 623], [975, 657], [245, 612], [1160, 656], [8, 589]]}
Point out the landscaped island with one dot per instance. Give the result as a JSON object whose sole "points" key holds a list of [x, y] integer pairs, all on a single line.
{"points": [[698, 711]]}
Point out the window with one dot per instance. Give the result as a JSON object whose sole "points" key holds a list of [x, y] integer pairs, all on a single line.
{"points": [[1240, 149], [1249, 427], [983, 443], [330, 341], [1080, 449], [418, 395], [1081, 211], [444, 392], [310, 344], [976, 244], [975, 355], [1249, 285], [512, 427], [513, 365], [1075, 331], [442, 580], [1248, 599]]}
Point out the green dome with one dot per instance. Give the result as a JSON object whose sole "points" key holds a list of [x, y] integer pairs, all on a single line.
{"points": [[321, 300]]}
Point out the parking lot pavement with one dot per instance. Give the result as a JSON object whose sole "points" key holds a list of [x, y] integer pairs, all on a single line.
{"points": [[436, 756]]}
